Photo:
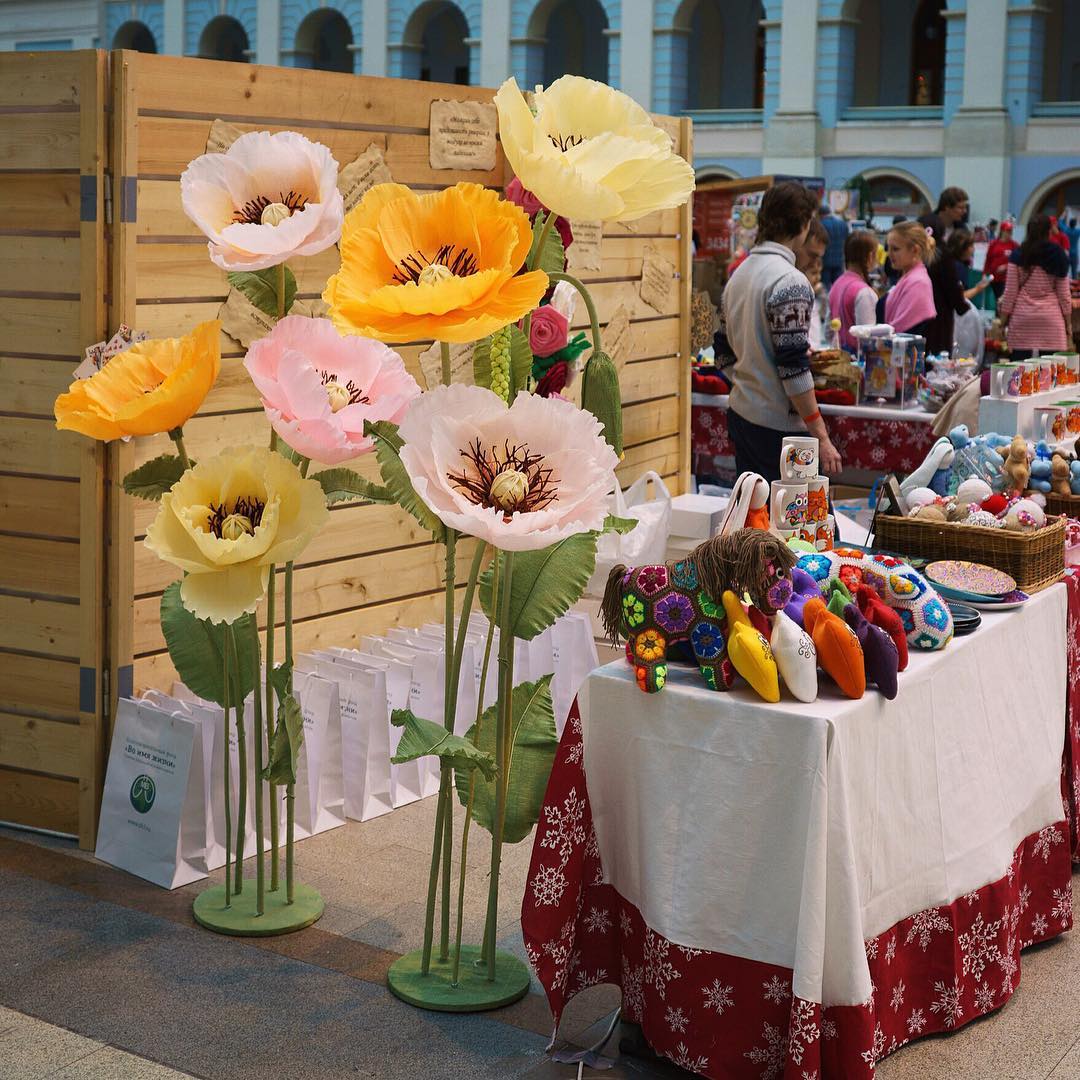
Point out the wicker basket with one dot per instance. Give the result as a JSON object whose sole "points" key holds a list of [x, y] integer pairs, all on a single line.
{"points": [[1035, 560], [1069, 505]]}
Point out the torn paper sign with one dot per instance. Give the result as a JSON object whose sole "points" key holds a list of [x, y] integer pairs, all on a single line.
{"points": [[584, 253], [657, 280], [222, 136], [462, 135], [619, 338], [243, 321], [362, 174], [461, 364]]}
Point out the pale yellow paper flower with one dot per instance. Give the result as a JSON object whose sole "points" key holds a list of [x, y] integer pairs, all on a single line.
{"points": [[590, 153], [227, 520]]}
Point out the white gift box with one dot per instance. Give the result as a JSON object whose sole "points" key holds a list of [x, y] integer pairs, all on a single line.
{"points": [[696, 517]]}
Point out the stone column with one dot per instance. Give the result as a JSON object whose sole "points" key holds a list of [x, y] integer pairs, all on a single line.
{"points": [[173, 36], [268, 32], [791, 136], [495, 43], [373, 56], [636, 51]]}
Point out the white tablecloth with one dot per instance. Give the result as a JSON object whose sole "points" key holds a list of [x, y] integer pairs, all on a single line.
{"points": [[791, 833]]}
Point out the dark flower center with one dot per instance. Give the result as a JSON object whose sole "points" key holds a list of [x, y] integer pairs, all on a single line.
{"points": [[245, 511], [510, 479], [459, 261], [564, 142], [251, 212], [356, 394]]}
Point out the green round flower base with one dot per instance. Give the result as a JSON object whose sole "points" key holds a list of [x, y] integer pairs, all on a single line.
{"points": [[239, 917], [474, 991]]}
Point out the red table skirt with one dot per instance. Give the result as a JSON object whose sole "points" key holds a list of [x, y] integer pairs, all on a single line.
{"points": [[881, 446], [728, 1017]]}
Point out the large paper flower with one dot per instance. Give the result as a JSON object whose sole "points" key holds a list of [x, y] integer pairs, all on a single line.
{"points": [[318, 387], [438, 266], [226, 520], [152, 387], [520, 478], [590, 153], [266, 199]]}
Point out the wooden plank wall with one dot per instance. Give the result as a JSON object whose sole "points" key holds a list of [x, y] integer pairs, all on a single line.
{"points": [[372, 566], [52, 304]]}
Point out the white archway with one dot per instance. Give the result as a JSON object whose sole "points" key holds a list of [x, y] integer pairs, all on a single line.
{"points": [[1040, 193], [885, 172]]}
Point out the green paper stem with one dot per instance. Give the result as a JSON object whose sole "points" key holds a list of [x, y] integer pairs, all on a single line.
{"points": [[449, 707], [280, 301], [433, 879], [241, 761], [472, 779], [538, 254], [589, 305], [177, 436], [506, 672], [226, 705], [444, 352], [271, 615], [260, 868]]}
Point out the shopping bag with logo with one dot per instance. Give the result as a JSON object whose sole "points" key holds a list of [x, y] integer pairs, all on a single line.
{"points": [[465, 714], [644, 544], [319, 793], [152, 810]]}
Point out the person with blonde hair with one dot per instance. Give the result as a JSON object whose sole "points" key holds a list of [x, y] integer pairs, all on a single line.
{"points": [[909, 304]]}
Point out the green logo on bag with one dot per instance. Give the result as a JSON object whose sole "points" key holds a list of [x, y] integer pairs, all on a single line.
{"points": [[142, 794]]}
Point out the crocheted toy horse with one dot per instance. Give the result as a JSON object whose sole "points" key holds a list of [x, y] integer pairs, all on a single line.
{"points": [[652, 607]]}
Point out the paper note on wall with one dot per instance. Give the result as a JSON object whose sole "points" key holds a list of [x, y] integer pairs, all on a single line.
{"points": [[462, 135], [461, 364], [657, 279], [584, 253], [362, 174], [618, 338], [222, 136]]}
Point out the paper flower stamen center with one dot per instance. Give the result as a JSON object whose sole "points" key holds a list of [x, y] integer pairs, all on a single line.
{"points": [[341, 393], [251, 213], [454, 262], [242, 520], [565, 142], [510, 479]]}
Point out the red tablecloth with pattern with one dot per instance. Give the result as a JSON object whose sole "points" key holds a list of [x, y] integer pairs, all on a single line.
{"points": [[866, 443], [726, 1016]]}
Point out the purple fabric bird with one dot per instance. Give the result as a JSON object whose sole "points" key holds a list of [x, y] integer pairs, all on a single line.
{"points": [[880, 657], [806, 588]]}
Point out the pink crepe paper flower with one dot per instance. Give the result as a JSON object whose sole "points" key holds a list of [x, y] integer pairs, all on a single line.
{"points": [[520, 478], [266, 199], [519, 195], [318, 387], [548, 331]]}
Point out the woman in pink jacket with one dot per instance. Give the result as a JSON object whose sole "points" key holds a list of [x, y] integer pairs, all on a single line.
{"points": [[1036, 300]]}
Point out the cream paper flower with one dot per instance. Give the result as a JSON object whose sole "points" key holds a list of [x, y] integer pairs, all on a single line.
{"points": [[590, 153], [520, 478], [226, 520], [266, 199]]}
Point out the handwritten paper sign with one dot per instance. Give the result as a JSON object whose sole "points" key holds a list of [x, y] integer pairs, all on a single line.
{"points": [[461, 364], [657, 280], [584, 252], [618, 337], [222, 136], [362, 174], [242, 320], [462, 135]]}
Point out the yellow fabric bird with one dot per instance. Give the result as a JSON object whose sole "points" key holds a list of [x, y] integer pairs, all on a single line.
{"points": [[750, 653]]}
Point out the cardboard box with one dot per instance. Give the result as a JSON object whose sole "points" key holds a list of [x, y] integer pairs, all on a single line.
{"points": [[696, 517]]}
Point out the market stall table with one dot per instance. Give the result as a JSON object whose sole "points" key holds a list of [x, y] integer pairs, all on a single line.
{"points": [[799, 889], [871, 439]]}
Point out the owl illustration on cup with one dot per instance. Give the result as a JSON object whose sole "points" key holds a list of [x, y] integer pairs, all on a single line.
{"points": [[794, 510]]}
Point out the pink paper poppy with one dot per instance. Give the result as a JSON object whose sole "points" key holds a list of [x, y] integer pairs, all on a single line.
{"points": [[266, 199], [318, 387]]}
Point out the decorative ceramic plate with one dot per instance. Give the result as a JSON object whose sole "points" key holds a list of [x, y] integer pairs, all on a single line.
{"points": [[1012, 600], [970, 577]]}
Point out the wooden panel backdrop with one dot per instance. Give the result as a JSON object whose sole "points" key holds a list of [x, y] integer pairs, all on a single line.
{"points": [[52, 304]]}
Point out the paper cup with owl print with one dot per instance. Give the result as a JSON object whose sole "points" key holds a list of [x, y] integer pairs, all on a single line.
{"points": [[798, 458], [817, 499], [788, 504]]}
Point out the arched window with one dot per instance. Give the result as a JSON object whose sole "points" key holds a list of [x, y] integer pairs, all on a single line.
{"points": [[867, 67], [1063, 201], [724, 60], [323, 40], [224, 38], [440, 30], [892, 196], [1061, 52], [136, 36], [927, 54], [575, 40]]}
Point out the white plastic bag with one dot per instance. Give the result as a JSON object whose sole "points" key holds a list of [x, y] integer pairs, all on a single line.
{"points": [[643, 545]]}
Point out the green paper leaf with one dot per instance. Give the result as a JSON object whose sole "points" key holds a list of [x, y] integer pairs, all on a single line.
{"points": [[197, 650], [553, 257], [287, 452], [533, 743], [260, 287], [154, 478], [481, 363], [546, 583], [285, 743], [388, 444], [422, 738], [619, 525], [521, 361], [344, 485], [279, 679]]}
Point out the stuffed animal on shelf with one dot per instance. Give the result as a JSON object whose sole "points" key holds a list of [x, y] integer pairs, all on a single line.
{"points": [[1060, 475], [653, 607], [795, 656], [1041, 471], [838, 649], [1015, 469], [934, 470], [926, 617], [1074, 478], [804, 588]]}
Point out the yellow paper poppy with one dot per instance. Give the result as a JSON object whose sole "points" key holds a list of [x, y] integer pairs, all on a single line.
{"points": [[227, 519], [442, 265], [589, 152], [152, 387]]}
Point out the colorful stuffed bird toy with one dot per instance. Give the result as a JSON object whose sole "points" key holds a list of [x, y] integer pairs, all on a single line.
{"points": [[838, 649], [749, 651]]}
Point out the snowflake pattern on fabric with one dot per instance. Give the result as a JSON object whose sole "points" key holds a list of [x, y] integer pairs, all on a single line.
{"points": [[924, 924], [676, 1019], [777, 990], [979, 946], [948, 1002], [771, 1056], [718, 997]]}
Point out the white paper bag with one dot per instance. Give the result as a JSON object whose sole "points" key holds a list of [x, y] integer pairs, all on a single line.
{"points": [[152, 810], [319, 792], [643, 545], [575, 656]]}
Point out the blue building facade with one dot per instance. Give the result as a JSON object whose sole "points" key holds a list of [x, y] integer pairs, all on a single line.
{"points": [[909, 95]]}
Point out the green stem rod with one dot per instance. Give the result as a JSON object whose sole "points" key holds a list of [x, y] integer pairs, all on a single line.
{"points": [[271, 618], [446, 780], [589, 305], [533, 262], [290, 789], [281, 291], [177, 436], [260, 867], [226, 704], [242, 783]]}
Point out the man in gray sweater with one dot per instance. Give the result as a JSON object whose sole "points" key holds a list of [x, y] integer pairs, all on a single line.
{"points": [[762, 345]]}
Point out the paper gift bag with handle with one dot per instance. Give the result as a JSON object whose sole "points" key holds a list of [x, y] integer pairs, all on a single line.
{"points": [[643, 545], [320, 797], [574, 656], [152, 810]]}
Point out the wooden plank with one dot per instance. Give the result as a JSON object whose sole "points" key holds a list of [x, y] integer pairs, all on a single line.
{"points": [[31, 386], [660, 455], [50, 746], [31, 564], [43, 802], [686, 148], [42, 326], [650, 420], [36, 80], [45, 264], [37, 506], [39, 201], [650, 379], [33, 141], [39, 684], [167, 145], [35, 446], [40, 626], [658, 223]]}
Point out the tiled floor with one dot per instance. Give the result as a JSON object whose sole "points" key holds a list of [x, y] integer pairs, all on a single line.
{"points": [[110, 976]]}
